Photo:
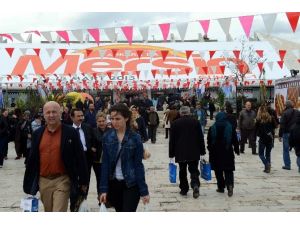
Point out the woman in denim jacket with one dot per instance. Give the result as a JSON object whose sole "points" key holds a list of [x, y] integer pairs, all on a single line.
{"points": [[123, 175]]}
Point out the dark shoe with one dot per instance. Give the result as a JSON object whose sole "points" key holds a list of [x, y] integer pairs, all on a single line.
{"points": [[286, 168], [18, 157], [196, 192], [5, 158], [230, 190], [183, 193], [220, 190], [267, 168], [242, 152], [1, 166], [254, 153]]}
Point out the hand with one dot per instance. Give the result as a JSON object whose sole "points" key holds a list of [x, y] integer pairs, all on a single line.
{"points": [[103, 197], [93, 149], [172, 160], [145, 199], [280, 139]]}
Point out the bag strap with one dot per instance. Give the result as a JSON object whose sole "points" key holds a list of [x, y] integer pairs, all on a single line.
{"points": [[118, 157]]}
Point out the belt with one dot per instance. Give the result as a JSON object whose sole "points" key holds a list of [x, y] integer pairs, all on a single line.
{"points": [[53, 176]]}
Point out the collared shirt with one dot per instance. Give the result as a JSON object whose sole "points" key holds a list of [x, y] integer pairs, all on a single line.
{"points": [[82, 138], [50, 153]]}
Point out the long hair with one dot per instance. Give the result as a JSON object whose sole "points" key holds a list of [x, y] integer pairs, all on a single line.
{"points": [[263, 115]]}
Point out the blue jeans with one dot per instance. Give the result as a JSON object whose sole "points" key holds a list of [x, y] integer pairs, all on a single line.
{"points": [[264, 152], [286, 150], [298, 163]]}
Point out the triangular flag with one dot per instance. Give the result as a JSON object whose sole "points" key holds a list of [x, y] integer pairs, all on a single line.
{"points": [[296, 52], [260, 53], [95, 33], [260, 66], [110, 33], [188, 53], [280, 63], [187, 70], [205, 69], [114, 52], [144, 32], [109, 74], [78, 34], [127, 53], [202, 54], [214, 69], [246, 22], [165, 29], [138, 73], [236, 53], [270, 64], [293, 18], [23, 50], [37, 51], [282, 54], [211, 54], [164, 54], [128, 32], [47, 36], [269, 20], [182, 27], [152, 53], [298, 60], [241, 68], [222, 68], [225, 24], [205, 25], [29, 38], [8, 36], [10, 51], [63, 52], [88, 52], [169, 71], [102, 53], [18, 37], [139, 53], [49, 51], [64, 35], [154, 73]]}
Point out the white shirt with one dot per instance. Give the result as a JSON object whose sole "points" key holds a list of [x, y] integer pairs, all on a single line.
{"points": [[118, 172], [82, 138]]}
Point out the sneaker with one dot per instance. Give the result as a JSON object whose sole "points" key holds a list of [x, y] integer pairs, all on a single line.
{"points": [[196, 192], [230, 190], [286, 168], [220, 190], [183, 193]]}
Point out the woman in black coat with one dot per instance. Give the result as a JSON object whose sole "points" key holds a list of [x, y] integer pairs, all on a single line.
{"points": [[221, 142], [294, 139]]}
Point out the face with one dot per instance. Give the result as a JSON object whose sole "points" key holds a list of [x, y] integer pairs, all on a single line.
{"points": [[78, 117], [5, 113], [118, 121], [52, 114], [248, 105], [101, 122], [91, 107], [134, 112]]}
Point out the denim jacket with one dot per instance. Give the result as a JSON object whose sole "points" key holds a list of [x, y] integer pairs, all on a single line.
{"points": [[131, 158]]}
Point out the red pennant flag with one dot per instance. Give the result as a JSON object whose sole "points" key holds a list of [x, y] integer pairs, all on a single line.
{"points": [[43, 76], [282, 54], [205, 69], [9, 77], [241, 68], [293, 18], [188, 53], [10, 51], [88, 52], [21, 77], [94, 75], [222, 68], [169, 71], [261, 82], [260, 53], [63, 52], [260, 66], [269, 82], [298, 60], [37, 51], [123, 73], [139, 53], [280, 63], [114, 52], [207, 84], [138, 74], [109, 73], [211, 54], [246, 83], [120, 83], [164, 54], [236, 53], [153, 73], [187, 71]]}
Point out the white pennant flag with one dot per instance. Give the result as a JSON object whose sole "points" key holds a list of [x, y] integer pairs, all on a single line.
{"points": [[225, 25], [144, 32], [202, 54], [47, 36], [145, 72], [127, 53], [197, 70], [78, 34], [152, 53], [58, 39], [111, 34], [29, 38], [229, 37], [182, 28], [49, 51], [214, 69], [269, 20], [18, 37], [270, 64], [296, 53], [102, 53], [23, 50]]}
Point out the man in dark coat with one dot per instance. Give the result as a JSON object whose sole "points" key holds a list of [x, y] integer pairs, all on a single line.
{"points": [[55, 162], [221, 139], [294, 139], [4, 133], [186, 144]]}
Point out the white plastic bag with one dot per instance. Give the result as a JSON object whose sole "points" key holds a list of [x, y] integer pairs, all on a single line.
{"points": [[84, 207], [103, 208]]}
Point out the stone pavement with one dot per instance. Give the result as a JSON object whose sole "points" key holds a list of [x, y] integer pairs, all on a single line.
{"points": [[254, 190]]}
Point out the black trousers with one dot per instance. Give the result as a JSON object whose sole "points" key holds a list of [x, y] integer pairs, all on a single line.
{"points": [[251, 136], [122, 198], [224, 178], [152, 133], [97, 170], [167, 132], [194, 172]]}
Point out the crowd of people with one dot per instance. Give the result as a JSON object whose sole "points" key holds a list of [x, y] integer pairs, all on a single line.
{"points": [[62, 143]]}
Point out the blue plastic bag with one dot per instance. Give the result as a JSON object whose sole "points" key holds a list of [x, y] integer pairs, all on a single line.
{"points": [[172, 172], [205, 170]]}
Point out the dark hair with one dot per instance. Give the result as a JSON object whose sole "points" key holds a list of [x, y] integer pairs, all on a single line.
{"points": [[228, 107], [75, 110], [3, 110], [123, 110]]}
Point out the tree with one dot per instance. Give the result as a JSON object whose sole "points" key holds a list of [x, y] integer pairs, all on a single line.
{"points": [[221, 98]]}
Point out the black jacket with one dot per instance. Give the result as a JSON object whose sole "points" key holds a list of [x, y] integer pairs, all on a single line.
{"points": [[71, 153], [89, 140], [186, 140], [287, 121], [98, 134], [294, 138]]}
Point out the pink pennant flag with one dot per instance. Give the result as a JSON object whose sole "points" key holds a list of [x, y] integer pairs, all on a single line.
{"points": [[34, 31], [205, 25], [293, 18], [64, 35], [95, 33], [165, 29], [128, 32], [246, 22], [7, 36], [260, 53]]}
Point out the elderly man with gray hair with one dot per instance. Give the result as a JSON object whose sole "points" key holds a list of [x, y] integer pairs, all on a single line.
{"points": [[287, 122], [186, 144]]}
